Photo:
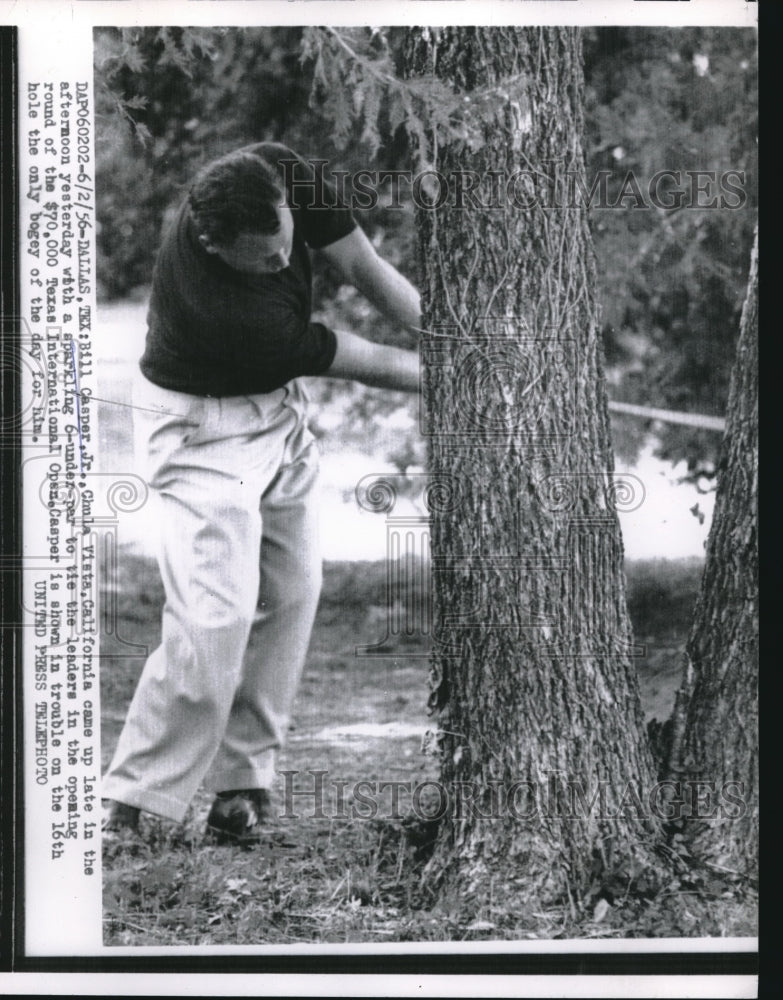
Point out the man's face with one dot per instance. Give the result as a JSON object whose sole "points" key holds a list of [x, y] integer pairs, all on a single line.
{"points": [[258, 253]]}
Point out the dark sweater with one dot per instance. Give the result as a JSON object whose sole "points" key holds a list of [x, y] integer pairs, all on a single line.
{"points": [[215, 331]]}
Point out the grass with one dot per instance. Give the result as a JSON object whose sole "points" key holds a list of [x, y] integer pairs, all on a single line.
{"points": [[332, 879]]}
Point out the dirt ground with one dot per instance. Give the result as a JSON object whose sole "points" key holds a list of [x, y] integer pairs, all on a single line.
{"points": [[335, 868]]}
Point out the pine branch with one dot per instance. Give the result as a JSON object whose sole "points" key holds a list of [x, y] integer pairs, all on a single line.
{"points": [[181, 49], [433, 111]]}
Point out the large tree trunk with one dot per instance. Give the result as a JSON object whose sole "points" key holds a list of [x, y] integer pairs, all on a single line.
{"points": [[716, 715], [533, 674]]}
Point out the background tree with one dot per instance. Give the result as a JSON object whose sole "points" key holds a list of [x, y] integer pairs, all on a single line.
{"points": [[533, 679], [716, 716], [672, 281]]}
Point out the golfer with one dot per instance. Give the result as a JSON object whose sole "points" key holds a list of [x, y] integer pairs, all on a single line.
{"points": [[233, 470]]}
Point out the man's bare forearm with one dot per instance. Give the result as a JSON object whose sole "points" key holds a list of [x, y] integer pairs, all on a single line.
{"points": [[374, 364], [390, 292]]}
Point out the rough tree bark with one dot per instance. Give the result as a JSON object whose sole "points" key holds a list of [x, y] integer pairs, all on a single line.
{"points": [[543, 749], [716, 715]]}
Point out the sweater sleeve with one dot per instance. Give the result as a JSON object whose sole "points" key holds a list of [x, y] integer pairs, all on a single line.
{"points": [[323, 213]]}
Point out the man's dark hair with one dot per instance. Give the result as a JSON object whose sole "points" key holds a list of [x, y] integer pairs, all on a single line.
{"points": [[239, 193]]}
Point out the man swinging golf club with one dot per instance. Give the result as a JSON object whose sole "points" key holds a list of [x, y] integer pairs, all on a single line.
{"points": [[233, 468]]}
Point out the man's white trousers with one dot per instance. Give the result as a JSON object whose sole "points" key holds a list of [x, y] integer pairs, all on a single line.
{"points": [[233, 481]]}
